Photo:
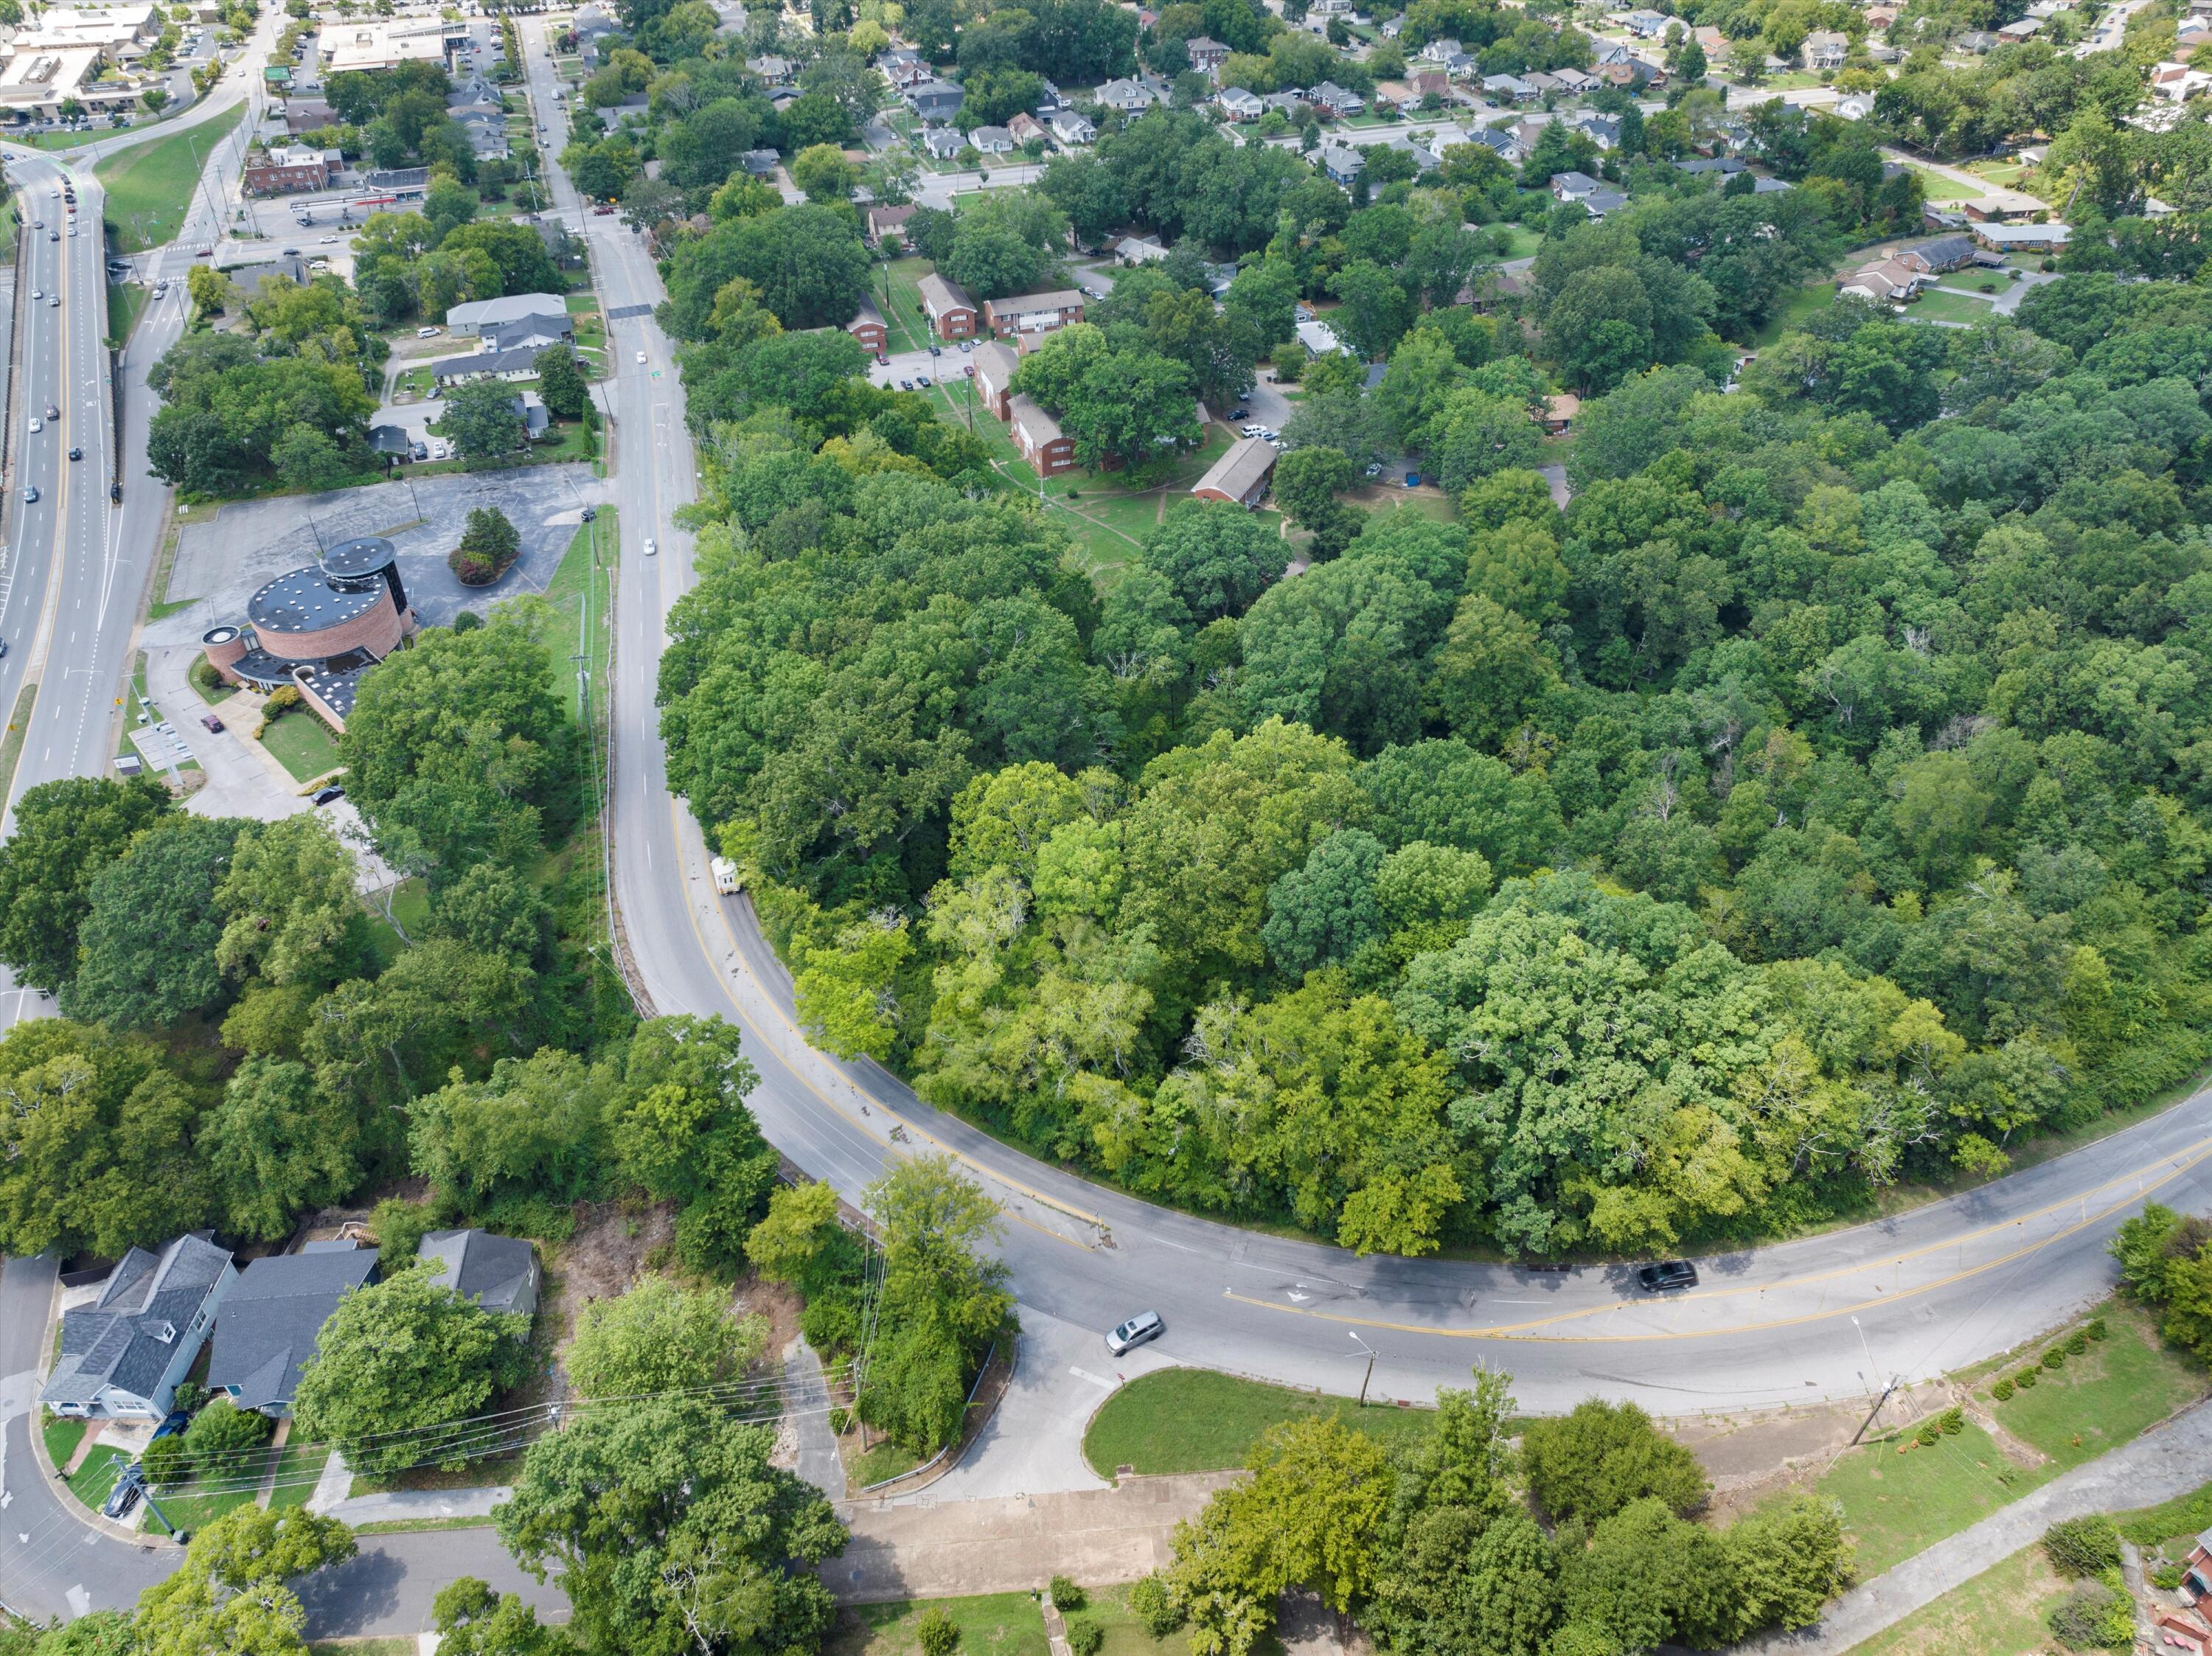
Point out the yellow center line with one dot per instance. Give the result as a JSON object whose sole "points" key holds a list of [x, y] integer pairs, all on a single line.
{"points": [[1523, 1331]]}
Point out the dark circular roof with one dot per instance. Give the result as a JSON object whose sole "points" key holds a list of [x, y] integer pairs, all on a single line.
{"points": [[362, 557], [303, 600]]}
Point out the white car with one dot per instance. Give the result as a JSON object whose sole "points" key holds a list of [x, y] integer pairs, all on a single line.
{"points": [[37, 425], [38, 293], [650, 548], [426, 333], [640, 359], [72, 229]]}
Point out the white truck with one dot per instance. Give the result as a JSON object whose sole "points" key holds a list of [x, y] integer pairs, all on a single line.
{"points": [[725, 877]]}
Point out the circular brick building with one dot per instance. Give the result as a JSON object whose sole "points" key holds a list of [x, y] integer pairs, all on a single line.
{"points": [[318, 627]]}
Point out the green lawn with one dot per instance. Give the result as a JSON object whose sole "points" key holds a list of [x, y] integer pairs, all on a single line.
{"points": [[1897, 1505], [2112, 1393], [1794, 312], [149, 187], [296, 1475], [62, 1438], [879, 1464], [996, 1625], [1942, 306], [1934, 186], [186, 1510], [2181, 1520], [126, 299], [303, 744], [1999, 1613], [1125, 1634], [581, 592], [1192, 1420], [1525, 241]]}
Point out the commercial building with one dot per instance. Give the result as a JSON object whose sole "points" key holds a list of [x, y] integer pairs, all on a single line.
{"points": [[549, 311], [388, 44], [292, 169], [318, 627]]}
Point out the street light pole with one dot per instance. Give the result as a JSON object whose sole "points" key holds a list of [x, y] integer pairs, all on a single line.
{"points": [[1369, 1374], [1874, 1413]]}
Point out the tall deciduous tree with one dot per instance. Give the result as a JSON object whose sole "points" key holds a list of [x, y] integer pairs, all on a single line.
{"points": [[66, 832]]}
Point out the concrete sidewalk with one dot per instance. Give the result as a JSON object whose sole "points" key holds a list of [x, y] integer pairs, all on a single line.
{"points": [[2169, 1460], [403, 1506], [1099, 1537]]}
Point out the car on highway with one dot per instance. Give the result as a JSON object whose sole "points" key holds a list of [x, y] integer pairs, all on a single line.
{"points": [[640, 359], [53, 301], [72, 229], [650, 548], [77, 454], [30, 495], [1144, 1325], [37, 426], [1666, 1276], [53, 413], [329, 796], [38, 293]]}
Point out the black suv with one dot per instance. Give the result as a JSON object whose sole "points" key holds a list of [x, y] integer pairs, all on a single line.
{"points": [[1667, 1276]]}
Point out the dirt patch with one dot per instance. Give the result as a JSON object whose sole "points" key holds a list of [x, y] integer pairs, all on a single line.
{"points": [[1750, 1458], [780, 1303]]}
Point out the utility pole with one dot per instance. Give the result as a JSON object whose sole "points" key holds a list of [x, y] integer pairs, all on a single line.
{"points": [[1369, 1374], [1874, 1413]]}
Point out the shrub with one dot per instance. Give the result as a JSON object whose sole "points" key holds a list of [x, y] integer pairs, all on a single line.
{"points": [[2079, 1622], [1151, 1603], [205, 678], [1084, 1636], [2055, 1357], [398, 1227], [1952, 1422], [2076, 1344], [188, 1397], [166, 1461], [2082, 1546], [2025, 1379], [939, 1634], [223, 1429], [2166, 1577], [2096, 1329], [283, 698], [2002, 1390], [489, 545], [1926, 1436], [840, 1420], [1067, 1596]]}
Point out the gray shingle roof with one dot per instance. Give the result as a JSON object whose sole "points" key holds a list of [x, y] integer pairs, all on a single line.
{"points": [[495, 1271], [117, 1340], [266, 1331]]}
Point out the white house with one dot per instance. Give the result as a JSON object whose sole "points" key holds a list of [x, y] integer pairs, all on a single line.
{"points": [[1238, 105], [1125, 95]]}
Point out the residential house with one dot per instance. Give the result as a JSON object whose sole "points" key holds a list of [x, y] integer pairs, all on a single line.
{"points": [[1575, 81], [1441, 50], [1600, 202], [1573, 186], [1944, 253], [1238, 105], [868, 328], [1206, 55], [1139, 250], [1852, 106], [1544, 85], [499, 1273], [547, 312], [1071, 129], [1825, 50], [2021, 29], [1428, 83], [1884, 281], [1979, 42], [760, 163], [1502, 140], [303, 115], [123, 1354], [1337, 100], [1032, 313], [1726, 166], [991, 141], [1510, 87], [1463, 66], [941, 144], [1038, 436], [1341, 166], [1048, 99], [952, 314], [2020, 238], [995, 365], [1770, 187], [1629, 75], [1603, 52], [1557, 414], [270, 1320], [772, 68], [1290, 101], [2005, 206], [1711, 42], [1127, 96], [515, 359], [1603, 130], [1425, 160], [903, 66], [1241, 476], [1318, 337], [879, 221], [1528, 131], [1645, 25], [1025, 128], [2177, 84], [2196, 1570], [934, 103]]}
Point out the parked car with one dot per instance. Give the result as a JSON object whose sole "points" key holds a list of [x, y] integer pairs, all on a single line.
{"points": [[1144, 1325], [905, 384], [427, 333], [1238, 414], [329, 796], [212, 723], [922, 380], [1667, 1276], [123, 1496], [590, 513]]}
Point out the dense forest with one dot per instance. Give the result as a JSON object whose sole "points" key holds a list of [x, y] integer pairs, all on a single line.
{"points": [[1813, 803]]}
